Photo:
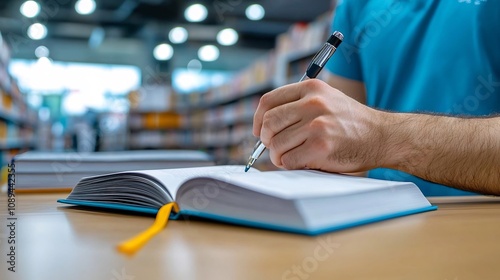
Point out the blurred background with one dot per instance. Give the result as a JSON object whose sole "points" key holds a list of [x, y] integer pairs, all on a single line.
{"points": [[110, 75]]}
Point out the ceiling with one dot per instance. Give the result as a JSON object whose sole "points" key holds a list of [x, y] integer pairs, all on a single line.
{"points": [[132, 28]]}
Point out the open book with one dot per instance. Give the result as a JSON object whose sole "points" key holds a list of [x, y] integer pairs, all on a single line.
{"points": [[300, 201]]}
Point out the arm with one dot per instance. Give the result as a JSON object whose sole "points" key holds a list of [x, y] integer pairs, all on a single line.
{"points": [[312, 125], [458, 152]]}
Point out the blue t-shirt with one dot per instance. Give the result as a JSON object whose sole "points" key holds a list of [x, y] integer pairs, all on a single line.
{"points": [[422, 56]]}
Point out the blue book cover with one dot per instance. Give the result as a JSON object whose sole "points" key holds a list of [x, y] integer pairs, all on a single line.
{"points": [[153, 211]]}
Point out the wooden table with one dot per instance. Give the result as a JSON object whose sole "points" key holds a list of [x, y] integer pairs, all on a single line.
{"points": [[461, 240]]}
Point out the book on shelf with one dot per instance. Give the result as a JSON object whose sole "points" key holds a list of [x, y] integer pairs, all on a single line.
{"points": [[299, 201], [154, 120], [46, 171]]}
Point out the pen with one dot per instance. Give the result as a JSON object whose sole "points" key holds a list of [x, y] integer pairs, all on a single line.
{"points": [[317, 63]]}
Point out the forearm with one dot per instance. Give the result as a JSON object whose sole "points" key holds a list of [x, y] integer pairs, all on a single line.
{"points": [[458, 152]]}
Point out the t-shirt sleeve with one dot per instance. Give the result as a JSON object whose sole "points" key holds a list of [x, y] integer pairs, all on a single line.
{"points": [[346, 61]]}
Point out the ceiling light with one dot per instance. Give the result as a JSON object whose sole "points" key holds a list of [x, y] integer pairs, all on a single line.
{"points": [[196, 13], [178, 35], [42, 51], [255, 12], [208, 53], [37, 31], [194, 65], [30, 9], [85, 7], [227, 37], [163, 52]]}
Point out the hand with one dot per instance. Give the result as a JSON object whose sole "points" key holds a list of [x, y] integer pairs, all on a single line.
{"points": [[312, 125]]}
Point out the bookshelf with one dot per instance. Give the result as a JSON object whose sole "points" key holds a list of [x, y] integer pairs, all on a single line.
{"points": [[151, 118], [17, 120], [220, 120]]}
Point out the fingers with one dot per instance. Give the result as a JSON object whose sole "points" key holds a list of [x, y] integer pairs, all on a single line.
{"points": [[313, 153], [303, 156], [275, 98], [308, 144], [279, 118], [286, 140]]}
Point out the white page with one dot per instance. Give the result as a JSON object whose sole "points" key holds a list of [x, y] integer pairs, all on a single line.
{"points": [[292, 184], [173, 178]]}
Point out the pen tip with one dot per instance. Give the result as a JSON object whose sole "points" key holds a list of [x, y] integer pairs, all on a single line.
{"points": [[246, 168]]}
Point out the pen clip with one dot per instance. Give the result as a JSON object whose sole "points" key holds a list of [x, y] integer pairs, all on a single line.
{"points": [[319, 60], [323, 55]]}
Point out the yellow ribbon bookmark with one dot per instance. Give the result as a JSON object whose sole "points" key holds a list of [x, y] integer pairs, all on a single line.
{"points": [[132, 245]]}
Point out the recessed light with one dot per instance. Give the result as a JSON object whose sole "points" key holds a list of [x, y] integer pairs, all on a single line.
{"points": [[227, 37], [37, 31], [194, 65], [163, 52], [208, 53], [255, 12], [178, 35], [85, 7], [196, 13], [30, 9], [42, 51]]}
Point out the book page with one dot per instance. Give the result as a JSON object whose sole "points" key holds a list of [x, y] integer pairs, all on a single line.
{"points": [[172, 179], [292, 184]]}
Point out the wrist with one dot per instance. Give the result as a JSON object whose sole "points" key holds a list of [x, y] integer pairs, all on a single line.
{"points": [[397, 143]]}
